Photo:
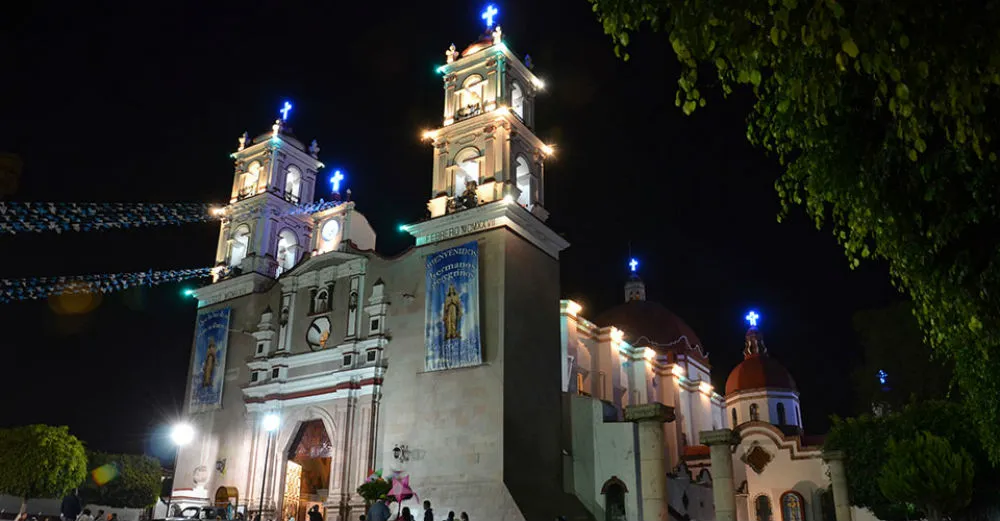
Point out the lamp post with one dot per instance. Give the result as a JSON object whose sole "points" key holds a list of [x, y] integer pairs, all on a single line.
{"points": [[181, 434], [269, 424]]}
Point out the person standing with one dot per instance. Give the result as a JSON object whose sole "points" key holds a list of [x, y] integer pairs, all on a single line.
{"points": [[463, 516], [378, 511], [71, 507], [428, 511], [314, 514]]}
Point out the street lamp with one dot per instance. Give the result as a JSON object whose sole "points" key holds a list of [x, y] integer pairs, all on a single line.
{"points": [[270, 423], [181, 434]]}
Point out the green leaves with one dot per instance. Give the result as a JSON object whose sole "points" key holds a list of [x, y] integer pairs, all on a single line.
{"points": [[40, 461], [926, 471]]}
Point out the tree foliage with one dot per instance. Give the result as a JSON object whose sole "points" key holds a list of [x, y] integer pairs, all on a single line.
{"points": [[878, 112], [893, 343], [40, 461], [865, 441], [926, 471], [133, 481]]}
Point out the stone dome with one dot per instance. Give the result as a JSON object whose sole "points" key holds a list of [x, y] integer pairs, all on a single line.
{"points": [[650, 324], [758, 370], [484, 41]]}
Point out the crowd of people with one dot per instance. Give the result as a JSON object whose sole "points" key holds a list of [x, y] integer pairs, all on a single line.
{"points": [[379, 511]]}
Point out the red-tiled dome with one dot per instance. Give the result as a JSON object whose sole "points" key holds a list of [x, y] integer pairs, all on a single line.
{"points": [[650, 324], [758, 370], [484, 41]]}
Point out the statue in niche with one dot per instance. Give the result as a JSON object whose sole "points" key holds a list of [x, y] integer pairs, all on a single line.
{"points": [[469, 198], [208, 366], [452, 314]]}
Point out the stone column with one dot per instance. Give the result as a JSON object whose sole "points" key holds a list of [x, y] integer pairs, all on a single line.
{"points": [[650, 418], [719, 442], [838, 476]]}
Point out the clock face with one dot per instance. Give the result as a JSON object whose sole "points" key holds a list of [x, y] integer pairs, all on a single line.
{"points": [[330, 230], [318, 333]]}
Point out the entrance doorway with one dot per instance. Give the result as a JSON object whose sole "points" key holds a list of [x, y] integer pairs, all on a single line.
{"points": [[307, 471]]}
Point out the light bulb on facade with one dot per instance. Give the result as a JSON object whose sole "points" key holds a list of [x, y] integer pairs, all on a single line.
{"points": [[649, 353], [539, 84], [705, 387], [572, 308], [429, 134], [548, 150], [271, 422], [677, 370], [182, 434]]}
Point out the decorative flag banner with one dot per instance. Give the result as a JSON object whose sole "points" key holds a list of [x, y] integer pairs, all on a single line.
{"points": [[452, 309], [33, 288], [84, 217], [209, 371]]}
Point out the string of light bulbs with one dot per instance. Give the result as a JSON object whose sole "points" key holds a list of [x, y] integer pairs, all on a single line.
{"points": [[83, 217], [33, 288]]}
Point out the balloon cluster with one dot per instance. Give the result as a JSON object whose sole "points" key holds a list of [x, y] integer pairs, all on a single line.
{"points": [[32, 288], [81, 217]]}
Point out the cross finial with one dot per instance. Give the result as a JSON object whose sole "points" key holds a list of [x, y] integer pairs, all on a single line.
{"points": [[752, 318], [335, 180], [285, 110], [488, 15], [633, 265], [882, 376]]}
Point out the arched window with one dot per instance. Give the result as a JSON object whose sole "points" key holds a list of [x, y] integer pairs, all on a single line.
{"points": [[754, 413], [288, 245], [467, 162], [240, 245], [517, 99], [470, 98], [522, 174], [322, 302], [781, 413], [293, 184], [792, 507], [735, 422], [762, 508], [248, 181], [614, 491]]}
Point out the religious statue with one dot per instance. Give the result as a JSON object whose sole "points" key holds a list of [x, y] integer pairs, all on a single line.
{"points": [[314, 149], [275, 128], [497, 33], [208, 366], [469, 198], [452, 314], [528, 62], [451, 54], [244, 139]]}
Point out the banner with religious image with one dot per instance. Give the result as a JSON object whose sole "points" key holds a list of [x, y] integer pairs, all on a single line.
{"points": [[452, 309], [209, 371]]}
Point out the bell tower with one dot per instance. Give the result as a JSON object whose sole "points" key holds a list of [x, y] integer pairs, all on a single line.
{"points": [[263, 230], [486, 149]]}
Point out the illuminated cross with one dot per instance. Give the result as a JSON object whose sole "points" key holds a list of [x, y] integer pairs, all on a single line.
{"points": [[633, 265], [335, 180], [752, 318], [488, 15], [285, 110], [882, 376]]}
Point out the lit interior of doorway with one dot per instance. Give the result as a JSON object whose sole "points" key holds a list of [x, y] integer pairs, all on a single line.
{"points": [[307, 475]]}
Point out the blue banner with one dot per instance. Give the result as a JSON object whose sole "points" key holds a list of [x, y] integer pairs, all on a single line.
{"points": [[452, 309], [209, 371]]}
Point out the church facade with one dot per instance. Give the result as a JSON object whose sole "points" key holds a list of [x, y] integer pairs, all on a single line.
{"points": [[316, 360]]}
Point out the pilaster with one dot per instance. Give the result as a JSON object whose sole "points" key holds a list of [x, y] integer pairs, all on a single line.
{"points": [[650, 418], [838, 476], [720, 442]]}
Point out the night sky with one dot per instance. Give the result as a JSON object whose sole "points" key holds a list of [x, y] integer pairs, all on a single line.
{"points": [[132, 103]]}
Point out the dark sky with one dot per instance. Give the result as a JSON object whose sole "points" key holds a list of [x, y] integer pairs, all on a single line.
{"points": [[138, 103]]}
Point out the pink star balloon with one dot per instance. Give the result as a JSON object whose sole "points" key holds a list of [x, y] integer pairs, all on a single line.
{"points": [[401, 489]]}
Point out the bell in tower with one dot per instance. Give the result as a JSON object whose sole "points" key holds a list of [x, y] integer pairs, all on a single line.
{"points": [[275, 173], [486, 149]]}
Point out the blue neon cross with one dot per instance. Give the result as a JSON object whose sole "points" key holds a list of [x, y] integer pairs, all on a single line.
{"points": [[285, 110], [633, 264], [752, 318], [335, 180], [488, 15]]}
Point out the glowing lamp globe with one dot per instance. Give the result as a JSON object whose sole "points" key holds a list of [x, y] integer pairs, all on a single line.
{"points": [[182, 434], [271, 422]]}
